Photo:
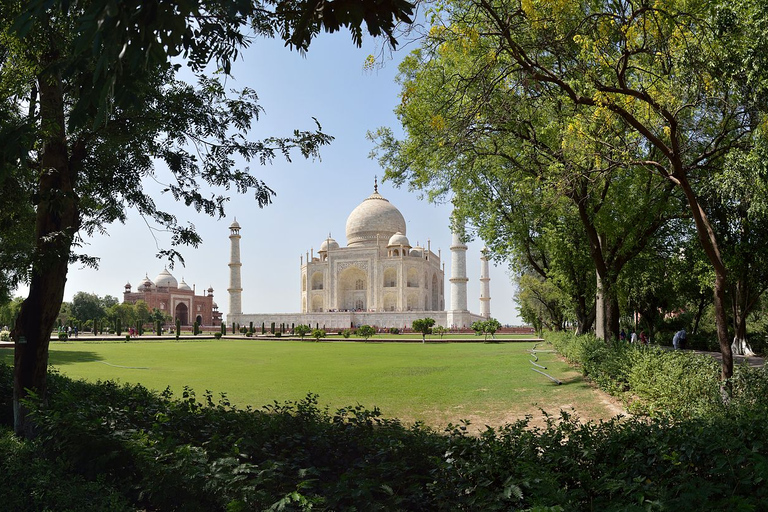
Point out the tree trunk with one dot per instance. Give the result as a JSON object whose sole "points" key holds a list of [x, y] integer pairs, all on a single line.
{"points": [[722, 328], [740, 345], [55, 227], [606, 311], [709, 244], [599, 308], [699, 312], [585, 319], [742, 303]]}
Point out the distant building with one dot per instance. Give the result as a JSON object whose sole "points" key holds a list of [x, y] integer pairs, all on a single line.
{"points": [[377, 279], [175, 299]]}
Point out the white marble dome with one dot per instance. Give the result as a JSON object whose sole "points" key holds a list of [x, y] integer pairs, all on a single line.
{"points": [[145, 283], [398, 240], [374, 216], [183, 285], [165, 280], [329, 243]]}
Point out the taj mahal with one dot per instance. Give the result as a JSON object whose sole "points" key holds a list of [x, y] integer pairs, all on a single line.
{"points": [[377, 279]]}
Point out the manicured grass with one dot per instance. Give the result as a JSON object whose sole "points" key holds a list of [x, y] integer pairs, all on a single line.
{"points": [[436, 383]]}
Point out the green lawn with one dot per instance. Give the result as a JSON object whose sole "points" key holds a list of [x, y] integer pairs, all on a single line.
{"points": [[436, 383]]}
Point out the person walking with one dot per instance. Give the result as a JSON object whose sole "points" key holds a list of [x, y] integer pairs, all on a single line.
{"points": [[678, 340]]}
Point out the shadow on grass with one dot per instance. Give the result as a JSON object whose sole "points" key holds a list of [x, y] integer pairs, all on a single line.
{"points": [[71, 357], [576, 379]]}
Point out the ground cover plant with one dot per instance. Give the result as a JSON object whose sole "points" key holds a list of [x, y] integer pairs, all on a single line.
{"points": [[436, 383]]}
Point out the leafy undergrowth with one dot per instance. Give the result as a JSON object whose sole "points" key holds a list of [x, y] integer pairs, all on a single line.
{"points": [[661, 383], [121, 447]]}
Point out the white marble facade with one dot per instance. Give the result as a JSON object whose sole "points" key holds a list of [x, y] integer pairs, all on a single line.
{"points": [[377, 279]]}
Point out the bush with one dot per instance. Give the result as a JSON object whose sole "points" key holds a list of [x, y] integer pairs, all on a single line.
{"points": [[63, 336], [394, 330], [125, 447], [649, 379], [346, 333], [365, 331], [217, 335]]}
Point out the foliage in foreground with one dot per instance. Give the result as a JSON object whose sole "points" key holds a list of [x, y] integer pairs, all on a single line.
{"points": [[658, 382], [160, 453]]}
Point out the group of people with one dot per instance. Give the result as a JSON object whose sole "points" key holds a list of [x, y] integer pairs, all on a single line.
{"points": [[678, 341], [633, 338], [69, 330]]}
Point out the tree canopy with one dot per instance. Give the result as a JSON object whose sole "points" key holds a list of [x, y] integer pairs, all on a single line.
{"points": [[660, 93], [92, 100]]}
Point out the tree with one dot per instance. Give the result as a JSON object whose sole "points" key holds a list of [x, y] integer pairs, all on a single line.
{"points": [[510, 157], [486, 327], [678, 79], [365, 331], [439, 330], [424, 326], [301, 329], [317, 334], [92, 100]]}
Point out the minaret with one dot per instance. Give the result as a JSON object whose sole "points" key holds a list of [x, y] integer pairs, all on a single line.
{"points": [[458, 282], [235, 287], [485, 287]]}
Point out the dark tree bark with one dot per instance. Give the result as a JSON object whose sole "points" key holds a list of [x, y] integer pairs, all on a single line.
{"points": [[57, 221]]}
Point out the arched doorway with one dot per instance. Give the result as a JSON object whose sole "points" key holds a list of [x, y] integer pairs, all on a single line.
{"points": [[352, 292], [199, 320], [182, 314]]}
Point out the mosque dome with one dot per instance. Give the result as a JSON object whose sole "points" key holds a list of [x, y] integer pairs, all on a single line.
{"points": [[165, 280], [184, 286], [145, 283], [328, 243], [417, 252], [374, 216], [398, 240]]}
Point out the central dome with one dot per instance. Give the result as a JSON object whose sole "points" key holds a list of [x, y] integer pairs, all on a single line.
{"points": [[374, 216]]}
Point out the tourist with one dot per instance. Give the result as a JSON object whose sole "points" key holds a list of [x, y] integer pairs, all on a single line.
{"points": [[678, 340], [633, 337], [623, 336], [643, 338]]}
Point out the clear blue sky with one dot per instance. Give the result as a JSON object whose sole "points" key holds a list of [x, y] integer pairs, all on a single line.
{"points": [[313, 199]]}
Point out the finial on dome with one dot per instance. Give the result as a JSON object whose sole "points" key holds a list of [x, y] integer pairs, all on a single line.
{"points": [[376, 184]]}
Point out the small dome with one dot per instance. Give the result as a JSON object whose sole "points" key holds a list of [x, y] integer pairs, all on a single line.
{"points": [[234, 225], [417, 251], [398, 240], [127, 285], [184, 286], [165, 280], [375, 216], [146, 283], [328, 243], [215, 306]]}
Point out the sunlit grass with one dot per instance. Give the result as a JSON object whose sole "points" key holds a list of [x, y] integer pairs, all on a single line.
{"points": [[437, 383]]}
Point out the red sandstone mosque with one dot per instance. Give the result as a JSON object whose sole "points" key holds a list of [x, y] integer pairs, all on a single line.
{"points": [[176, 299]]}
